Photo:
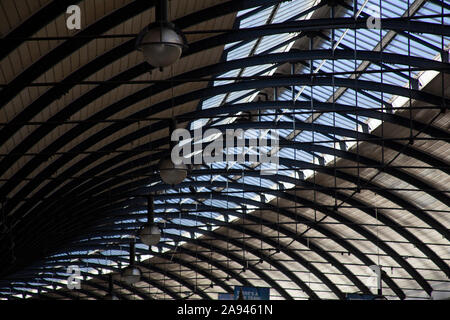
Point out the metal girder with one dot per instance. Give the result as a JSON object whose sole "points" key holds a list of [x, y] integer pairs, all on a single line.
{"points": [[247, 247], [372, 212], [352, 179], [282, 248], [62, 291], [221, 67], [348, 155], [214, 263], [179, 279], [122, 284], [328, 233], [37, 21], [296, 257], [400, 120], [56, 91], [368, 235], [67, 47], [353, 250], [180, 261], [31, 164], [95, 243], [348, 246], [333, 214], [197, 269], [46, 62], [390, 144], [119, 283], [237, 259], [407, 204]]}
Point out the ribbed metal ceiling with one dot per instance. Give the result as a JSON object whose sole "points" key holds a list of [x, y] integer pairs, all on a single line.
{"points": [[364, 151]]}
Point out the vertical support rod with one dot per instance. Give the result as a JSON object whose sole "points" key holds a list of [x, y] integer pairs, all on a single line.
{"points": [[110, 284], [150, 208], [162, 11], [132, 253]]}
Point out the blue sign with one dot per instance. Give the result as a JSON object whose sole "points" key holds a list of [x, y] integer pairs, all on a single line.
{"points": [[226, 296], [251, 293], [357, 296]]}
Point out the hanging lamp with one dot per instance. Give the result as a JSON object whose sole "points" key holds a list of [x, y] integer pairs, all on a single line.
{"points": [[170, 172], [110, 295], [131, 274], [149, 233], [161, 42]]}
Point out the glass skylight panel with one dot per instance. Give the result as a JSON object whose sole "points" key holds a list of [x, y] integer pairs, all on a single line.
{"points": [[258, 19], [245, 11], [271, 41], [238, 95], [256, 70], [241, 51], [284, 132], [288, 10]]}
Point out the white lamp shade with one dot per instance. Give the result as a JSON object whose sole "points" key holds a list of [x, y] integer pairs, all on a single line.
{"points": [[149, 234], [162, 46], [131, 274], [172, 173]]}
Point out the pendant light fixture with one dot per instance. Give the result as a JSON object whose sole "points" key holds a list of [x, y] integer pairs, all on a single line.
{"points": [[170, 172], [131, 274], [149, 233], [110, 295], [161, 42]]}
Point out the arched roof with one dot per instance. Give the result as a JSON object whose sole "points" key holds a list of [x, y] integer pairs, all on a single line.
{"points": [[363, 131]]}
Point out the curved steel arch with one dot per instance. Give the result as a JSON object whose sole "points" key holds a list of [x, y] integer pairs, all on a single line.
{"points": [[92, 284], [243, 263], [288, 57], [119, 283], [409, 236], [149, 280], [7, 184], [237, 259], [344, 272], [322, 230], [122, 284], [197, 269], [38, 20], [114, 54], [183, 250], [179, 279], [283, 249], [256, 271], [390, 144], [437, 30], [350, 248], [367, 234], [296, 257], [396, 173], [7, 161], [103, 24], [62, 293]]}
